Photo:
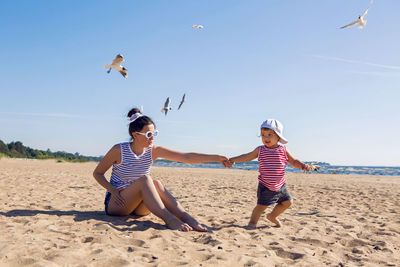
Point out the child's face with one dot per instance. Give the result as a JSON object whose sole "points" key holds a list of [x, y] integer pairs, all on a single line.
{"points": [[269, 138]]}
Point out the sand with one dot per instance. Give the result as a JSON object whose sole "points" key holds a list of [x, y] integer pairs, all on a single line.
{"points": [[52, 214]]}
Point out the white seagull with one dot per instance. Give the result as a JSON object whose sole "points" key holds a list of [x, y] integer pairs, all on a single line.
{"points": [[166, 107], [361, 20], [116, 65], [182, 101], [197, 26]]}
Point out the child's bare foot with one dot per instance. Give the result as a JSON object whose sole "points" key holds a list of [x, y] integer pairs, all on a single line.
{"points": [[194, 223], [251, 226], [176, 224], [274, 220]]}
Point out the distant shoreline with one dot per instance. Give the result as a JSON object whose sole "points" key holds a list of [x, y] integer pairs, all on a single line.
{"points": [[253, 166], [326, 168]]}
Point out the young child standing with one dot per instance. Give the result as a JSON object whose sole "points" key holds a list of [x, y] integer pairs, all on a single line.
{"points": [[272, 158]]}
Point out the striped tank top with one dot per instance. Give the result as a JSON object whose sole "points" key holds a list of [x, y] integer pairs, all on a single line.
{"points": [[131, 168], [272, 166]]}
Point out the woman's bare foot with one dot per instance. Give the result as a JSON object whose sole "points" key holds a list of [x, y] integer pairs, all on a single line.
{"points": [[176, 224], [194, 223], [274, 220], [251, 226]]}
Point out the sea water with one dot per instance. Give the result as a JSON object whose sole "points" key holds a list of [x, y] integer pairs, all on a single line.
{"points": [[325, 167]]}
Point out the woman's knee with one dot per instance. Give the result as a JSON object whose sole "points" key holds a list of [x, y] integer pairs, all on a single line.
{"points": [[158, 184], [146, 179]]}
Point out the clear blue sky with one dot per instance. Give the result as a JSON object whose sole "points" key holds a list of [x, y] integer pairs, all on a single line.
{"points": [[336, 91]]}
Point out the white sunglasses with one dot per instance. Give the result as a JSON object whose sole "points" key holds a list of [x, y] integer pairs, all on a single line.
{"points": [[149, 134]]}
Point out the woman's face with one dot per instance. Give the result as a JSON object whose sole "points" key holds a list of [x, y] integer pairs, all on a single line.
{"points": [[141, 139], [269, 138]]}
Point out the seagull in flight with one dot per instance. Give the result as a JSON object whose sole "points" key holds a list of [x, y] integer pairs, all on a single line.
{"points": [[166, 107], [182, 101], [360, 21], [116, 65], [197, 26]]}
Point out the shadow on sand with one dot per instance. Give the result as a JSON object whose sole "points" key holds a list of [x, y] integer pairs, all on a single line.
{"points": [[120, 223]]}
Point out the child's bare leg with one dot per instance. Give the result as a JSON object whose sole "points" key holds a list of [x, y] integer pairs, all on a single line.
{"points": [[278, 210], [255, 215]]}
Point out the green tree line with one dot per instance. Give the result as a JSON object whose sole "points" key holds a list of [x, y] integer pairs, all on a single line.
{"points": [[18, 150]]}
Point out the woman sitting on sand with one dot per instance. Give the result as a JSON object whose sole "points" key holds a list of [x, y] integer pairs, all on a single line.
{"points": [[132, 190]]}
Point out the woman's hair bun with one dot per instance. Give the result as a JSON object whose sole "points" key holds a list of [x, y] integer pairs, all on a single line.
{"points": [[138, 122], [133, 111]]}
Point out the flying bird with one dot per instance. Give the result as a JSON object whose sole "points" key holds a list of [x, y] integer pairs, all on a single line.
{"points": [[116, 65], [182, 101], [360, 21], [197, 26], [166, 107]]}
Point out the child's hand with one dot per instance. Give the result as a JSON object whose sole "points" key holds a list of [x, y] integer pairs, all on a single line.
{"points": [[316, 167], [311, 167], [308, 167]]}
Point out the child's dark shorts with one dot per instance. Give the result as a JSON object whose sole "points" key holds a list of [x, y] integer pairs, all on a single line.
{"points": [[268, 197]]}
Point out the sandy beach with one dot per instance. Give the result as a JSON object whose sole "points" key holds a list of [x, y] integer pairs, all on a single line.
{"points": [[52, 214]]}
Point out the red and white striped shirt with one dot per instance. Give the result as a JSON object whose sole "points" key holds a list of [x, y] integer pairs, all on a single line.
{"points": [[272, 166]]}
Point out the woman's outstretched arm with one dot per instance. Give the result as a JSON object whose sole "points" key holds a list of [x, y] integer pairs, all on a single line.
{"points": [[191, 157]]}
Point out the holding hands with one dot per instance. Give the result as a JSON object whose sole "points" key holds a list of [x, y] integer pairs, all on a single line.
{"points": [[225, 161]]}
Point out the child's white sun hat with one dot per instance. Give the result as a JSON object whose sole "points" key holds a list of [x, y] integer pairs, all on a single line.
{"points": [[277, 127]]}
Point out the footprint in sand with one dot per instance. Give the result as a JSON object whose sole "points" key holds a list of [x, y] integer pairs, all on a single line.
{"points": [[97, 251], [25, 261], [87, 239], [347, 226], [207, 240], [202, 257], [116, 262], [311, 241], [137, 242], [353, 243], [280, 252], [256, 236]]}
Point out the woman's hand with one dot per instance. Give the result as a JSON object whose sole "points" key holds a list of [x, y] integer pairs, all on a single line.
{"points": [[119, 200]]}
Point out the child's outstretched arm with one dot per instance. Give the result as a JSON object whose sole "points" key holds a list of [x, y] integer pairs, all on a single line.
{"points": [[245, 157], [299, 164]]}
